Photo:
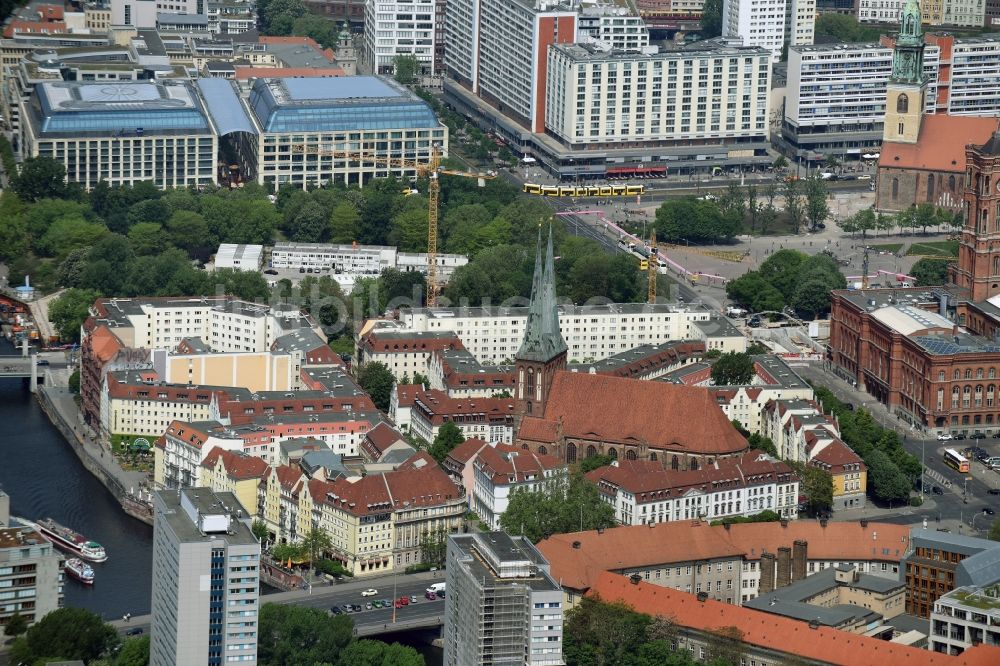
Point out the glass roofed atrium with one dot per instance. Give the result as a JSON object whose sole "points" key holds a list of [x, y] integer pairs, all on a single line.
{"points": [[118, 108], [337, 104]]}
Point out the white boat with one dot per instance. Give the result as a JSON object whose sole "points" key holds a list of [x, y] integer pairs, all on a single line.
{"points": [[78, 569], [66, 539]]}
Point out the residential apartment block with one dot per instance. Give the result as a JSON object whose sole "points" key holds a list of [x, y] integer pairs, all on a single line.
{"points": [[491, 419], [592, 333], [400, 28], [770, 24], [503, 606], [643, 492], [965, 617], [602, 98], [31, 569]]}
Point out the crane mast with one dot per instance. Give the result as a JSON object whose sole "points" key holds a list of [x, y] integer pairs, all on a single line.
{"points": [[430, 169]]}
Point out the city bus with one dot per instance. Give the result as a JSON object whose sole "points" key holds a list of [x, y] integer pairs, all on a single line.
{"points": [[956, 461]]}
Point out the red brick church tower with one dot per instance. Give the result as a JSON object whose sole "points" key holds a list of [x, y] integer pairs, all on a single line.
{"points": [[978, 268], [543, 351]]}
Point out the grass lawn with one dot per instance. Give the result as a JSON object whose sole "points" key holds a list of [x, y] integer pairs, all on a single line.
{"points": [[937, 248], [892, 248]]}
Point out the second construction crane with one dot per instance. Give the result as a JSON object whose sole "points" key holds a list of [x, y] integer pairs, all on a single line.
{"points": [[432, 170]]}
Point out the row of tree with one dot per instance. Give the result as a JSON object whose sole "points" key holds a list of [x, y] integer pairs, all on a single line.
{"points": [[789, 278], [916, 217], [891, 470]]}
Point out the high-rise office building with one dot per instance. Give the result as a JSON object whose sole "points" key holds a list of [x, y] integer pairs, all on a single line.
{"points": [[502, 606], [206, 580]]}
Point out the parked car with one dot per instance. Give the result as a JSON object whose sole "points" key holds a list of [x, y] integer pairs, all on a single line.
{"points": [[370, 592], [42, 361], [405, 601], [937, 490], [994, 491], [945, 437], [959, 437], [369, 606], [270, 271], [988, 511], [336, 610], [864, 176], [347, 608], [413, 598], [134, 631], [399, 603], [430, 595]]}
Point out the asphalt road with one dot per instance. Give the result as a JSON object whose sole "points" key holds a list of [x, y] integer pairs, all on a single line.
{"points": [[967, 495]]}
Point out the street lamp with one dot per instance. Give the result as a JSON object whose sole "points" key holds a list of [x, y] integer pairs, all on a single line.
{"points": [[973, 522]]}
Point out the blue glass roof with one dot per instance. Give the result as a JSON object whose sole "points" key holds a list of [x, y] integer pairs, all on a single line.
{"points": [[110, 107], [337, 104], [224, 106]]}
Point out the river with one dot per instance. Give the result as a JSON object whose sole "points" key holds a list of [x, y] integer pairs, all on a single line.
{"points": [[44, 478]]}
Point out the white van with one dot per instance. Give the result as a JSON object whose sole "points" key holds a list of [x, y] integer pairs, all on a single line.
{"points": [[435, 588]]}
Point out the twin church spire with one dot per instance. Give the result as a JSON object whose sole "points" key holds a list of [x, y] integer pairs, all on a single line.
{"points": [[543, 339]]}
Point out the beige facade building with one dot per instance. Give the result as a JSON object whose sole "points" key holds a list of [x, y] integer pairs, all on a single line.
{"points": [[254, 371], [234, 472]]}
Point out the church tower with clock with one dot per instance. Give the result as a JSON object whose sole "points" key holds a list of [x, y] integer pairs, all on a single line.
{"points": [[907, 88]]}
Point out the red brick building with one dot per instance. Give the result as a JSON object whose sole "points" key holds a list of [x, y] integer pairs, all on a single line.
{"points": [[932, 355]]}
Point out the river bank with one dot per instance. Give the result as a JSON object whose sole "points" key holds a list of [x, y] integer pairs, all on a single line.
{"points": [[59, 406]]}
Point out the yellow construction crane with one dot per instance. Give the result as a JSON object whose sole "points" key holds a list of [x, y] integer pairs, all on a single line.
{"points": [[430, 169], [654, 267]]}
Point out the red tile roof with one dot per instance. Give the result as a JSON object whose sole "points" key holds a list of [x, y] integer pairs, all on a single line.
{"points": [[835, 455], [238, 465], [538, 430], [104, 343], [407, 393], [682, 541], [773, 632], [466, 451], [288, 475], [510, 465], [381, 437], [941, 145], [401, 489], [437, 407], [663, 416]]}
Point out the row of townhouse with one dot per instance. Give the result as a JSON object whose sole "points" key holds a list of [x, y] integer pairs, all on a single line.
{"points": [[490, 474], [643, 492], [803, 433], [184, 445]]}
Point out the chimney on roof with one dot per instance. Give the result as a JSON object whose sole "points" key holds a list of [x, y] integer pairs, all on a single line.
{"points": [[784, 576], [822, 522], [703, 597], [726, 526], [635, 578], [814, 624], [576, 545], [766, 573], [784, 522], [864, 522], [600, 530], [799, 558]]}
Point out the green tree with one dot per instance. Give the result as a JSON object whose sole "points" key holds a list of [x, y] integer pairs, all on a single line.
{"points": [[377, 653], [323, 298], [406, 68], [134, 652], [888, 482], [781, 271], [344, 221], [278, 16], [930, 272], [556, 509], [14, 237], [147, 238], [74, 382], [811, 299], [401, 288], [925, 216], [761, 443], [310, 225], [316, 542], [816, 485], [297, 635], [844, 28], [733, 369], [377, 381], [449, 436], [726, 647], [71, 268], [794, 203], [780, 163], [40, 178], [69, 233], [156, 211], [594, 462], [16, 625], [66, 633], [863, 221], [259, 529], [816, 208], [601, 633], [68, 312], [711, 19], [188, 230], [322, 30], [409, 226]]}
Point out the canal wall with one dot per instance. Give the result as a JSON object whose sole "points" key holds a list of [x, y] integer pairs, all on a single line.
{"points": [[129, 505]]}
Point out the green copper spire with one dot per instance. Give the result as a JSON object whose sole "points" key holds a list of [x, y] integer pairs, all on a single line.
{"points": [[543, 340], [908, 56]]}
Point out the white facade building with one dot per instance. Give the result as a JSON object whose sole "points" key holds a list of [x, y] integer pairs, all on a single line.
{"points": [[596, 96], [239, 257], [614, 26], [497, 49], [835, 97], [399, 28], [757, 23], [975, 77], [493, 335], [500, 471], [965, 617], [800, 22], [970, 13], [206, 580], [880, 11]]}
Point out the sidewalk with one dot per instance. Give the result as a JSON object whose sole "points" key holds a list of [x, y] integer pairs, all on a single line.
{"points": [[65, 404]]}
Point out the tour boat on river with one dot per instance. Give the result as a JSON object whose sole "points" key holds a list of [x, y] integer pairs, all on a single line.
{"points": [[80, 570], [66, 539]]}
